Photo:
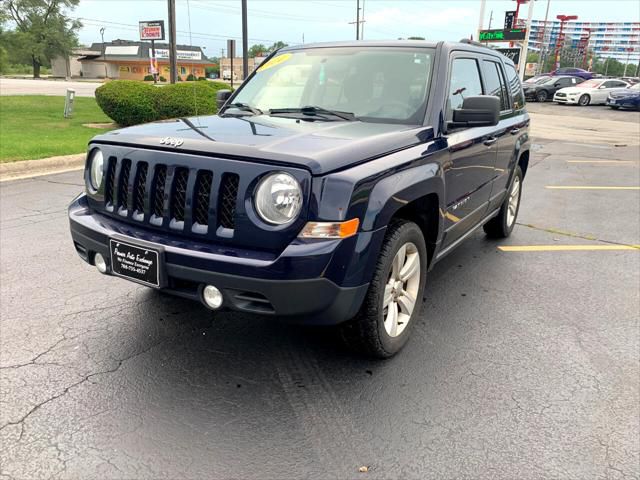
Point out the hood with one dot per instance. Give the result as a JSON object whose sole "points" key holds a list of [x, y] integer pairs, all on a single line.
{"points": [[318, 146], [570, 90], [624, 93]]}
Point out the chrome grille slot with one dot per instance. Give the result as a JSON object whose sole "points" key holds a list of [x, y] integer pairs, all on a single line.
{"points": [[202, 197], [179, 195], [139, 190], [110, 183], [123, 187], [158, 197], [227, 200]]}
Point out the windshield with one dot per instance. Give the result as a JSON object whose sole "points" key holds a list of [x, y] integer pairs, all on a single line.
{"points": [[377, 84], [591, 84]]}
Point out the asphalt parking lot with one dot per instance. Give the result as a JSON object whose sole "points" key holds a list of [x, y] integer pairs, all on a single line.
{"points": [[525, 363]]}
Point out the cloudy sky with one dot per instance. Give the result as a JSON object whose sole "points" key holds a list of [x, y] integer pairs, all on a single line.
{"points": [[211, 22]]}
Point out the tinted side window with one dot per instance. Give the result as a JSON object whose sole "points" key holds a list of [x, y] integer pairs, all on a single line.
{"points": [[516, 87], [494, 83], [465, 82]]}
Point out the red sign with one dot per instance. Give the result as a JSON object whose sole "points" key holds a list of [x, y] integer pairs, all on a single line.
{"points": [[153, 30]]}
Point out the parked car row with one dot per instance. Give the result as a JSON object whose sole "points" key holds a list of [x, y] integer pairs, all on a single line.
{"points": [[598, 92]]}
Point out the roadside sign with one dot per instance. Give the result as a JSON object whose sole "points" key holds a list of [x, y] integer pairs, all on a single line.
{"points": [[68, 102], [506, 35], [509, 17], [530, 69], [152, 30], [512, 53]]}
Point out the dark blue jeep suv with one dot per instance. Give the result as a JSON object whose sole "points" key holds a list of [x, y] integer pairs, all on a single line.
{"points": [[327, 186]]}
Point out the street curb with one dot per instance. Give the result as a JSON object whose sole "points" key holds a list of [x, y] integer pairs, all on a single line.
{"points": [[35, 168]]}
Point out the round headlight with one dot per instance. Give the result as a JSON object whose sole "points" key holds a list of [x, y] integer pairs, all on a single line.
{"points": [[96, 162], [278, 198]]}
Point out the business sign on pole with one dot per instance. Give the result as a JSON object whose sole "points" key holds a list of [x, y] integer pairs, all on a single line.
{"points": [[152, 30], [512, 53], [180, 54], [509, 17], [506, 35]]}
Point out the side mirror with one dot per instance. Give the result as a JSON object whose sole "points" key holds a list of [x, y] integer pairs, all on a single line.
{"points": [[479, 111], [222, 96], [602, 87]]}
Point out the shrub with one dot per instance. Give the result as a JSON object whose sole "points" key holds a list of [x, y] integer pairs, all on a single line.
{"points": [[191, 77], [185, 100], [162, 79], [148, 78], [202, 78], [128, 102], [179, 78]]}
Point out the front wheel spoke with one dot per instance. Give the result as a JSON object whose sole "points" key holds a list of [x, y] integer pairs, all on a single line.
{"points": [[407, 303], [388, 295], [410, 267], [391, 322], [398, 261]]}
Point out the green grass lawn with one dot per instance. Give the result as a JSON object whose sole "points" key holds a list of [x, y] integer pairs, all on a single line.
{"points": [[33, 126]]}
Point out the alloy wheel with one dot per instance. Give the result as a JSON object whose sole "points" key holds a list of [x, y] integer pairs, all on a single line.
{"points": [[514, 199], [401, 290]]}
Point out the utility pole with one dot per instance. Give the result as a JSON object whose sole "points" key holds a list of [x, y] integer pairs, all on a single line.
{"points": [[245, 42], [173, 51], [362, 26], [357, 19], [104, 63], [543, 44], [483, 4], [525, 45]]}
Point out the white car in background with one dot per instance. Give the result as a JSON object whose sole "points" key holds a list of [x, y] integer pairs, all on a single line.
{"points": [[591, 92]]}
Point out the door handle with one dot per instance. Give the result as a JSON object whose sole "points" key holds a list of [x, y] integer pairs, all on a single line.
{"points": [[514, 131], [490, 141]]}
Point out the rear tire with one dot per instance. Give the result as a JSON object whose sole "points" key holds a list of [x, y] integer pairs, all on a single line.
{"points": [[584, 100], [502, 225], [377, 331], [613, 107]]}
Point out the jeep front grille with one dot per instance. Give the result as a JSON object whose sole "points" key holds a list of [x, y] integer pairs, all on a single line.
{"points": [[172, 197]]}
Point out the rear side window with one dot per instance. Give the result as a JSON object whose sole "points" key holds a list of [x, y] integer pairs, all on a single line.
{"points": [[516, 87], [465, 82], [495, 83]]}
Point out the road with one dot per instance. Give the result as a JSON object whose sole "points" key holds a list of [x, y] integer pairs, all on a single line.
{"points": [[18, 86], [524, 364]]}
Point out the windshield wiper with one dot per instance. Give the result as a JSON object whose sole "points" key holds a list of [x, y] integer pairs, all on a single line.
{"points": [[244, 107], [313, 111]]}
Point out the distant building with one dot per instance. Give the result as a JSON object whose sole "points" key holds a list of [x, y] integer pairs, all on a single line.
{"points": [[131, 60], [619, 40], [225, 66]]}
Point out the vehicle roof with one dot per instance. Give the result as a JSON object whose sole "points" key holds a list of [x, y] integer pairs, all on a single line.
{"points": [[448, 46]]}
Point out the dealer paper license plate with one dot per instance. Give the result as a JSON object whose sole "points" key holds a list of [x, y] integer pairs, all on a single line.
{"points": [[135, 263]]}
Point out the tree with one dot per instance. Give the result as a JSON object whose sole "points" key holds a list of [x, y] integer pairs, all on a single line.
{"points": [[258, 50], [42, 29], [277, 46]]}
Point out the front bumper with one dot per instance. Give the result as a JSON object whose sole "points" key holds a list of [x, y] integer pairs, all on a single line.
{"points": [[295, 284], [567, 100]]}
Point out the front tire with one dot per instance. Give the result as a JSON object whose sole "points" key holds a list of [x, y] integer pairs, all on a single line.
{"points": [[502, 225], [584, 100], [542, 96], [394, 299]]}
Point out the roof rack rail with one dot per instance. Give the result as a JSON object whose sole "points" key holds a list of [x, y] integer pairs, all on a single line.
{"points": [[472, 42]]}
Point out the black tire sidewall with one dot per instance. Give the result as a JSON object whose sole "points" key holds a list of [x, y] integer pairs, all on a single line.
{"points": [[542, 96], [586, 103], [503, 212], [410, 232]]}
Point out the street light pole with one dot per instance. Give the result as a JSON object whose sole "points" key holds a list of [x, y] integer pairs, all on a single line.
{"points": [[525, 45], [543, 44], [173, 61], [245, 42], [104, 63]]}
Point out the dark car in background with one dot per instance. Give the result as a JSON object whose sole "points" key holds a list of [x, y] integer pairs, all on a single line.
{"points": [[625, 98], [574, 72], [545, 90]]}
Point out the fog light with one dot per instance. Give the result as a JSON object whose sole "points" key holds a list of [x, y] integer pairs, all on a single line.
{"points": [[212, 297], [101, 265]]}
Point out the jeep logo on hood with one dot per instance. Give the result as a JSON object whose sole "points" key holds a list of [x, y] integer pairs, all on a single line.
{"points": [[174, 142]]}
